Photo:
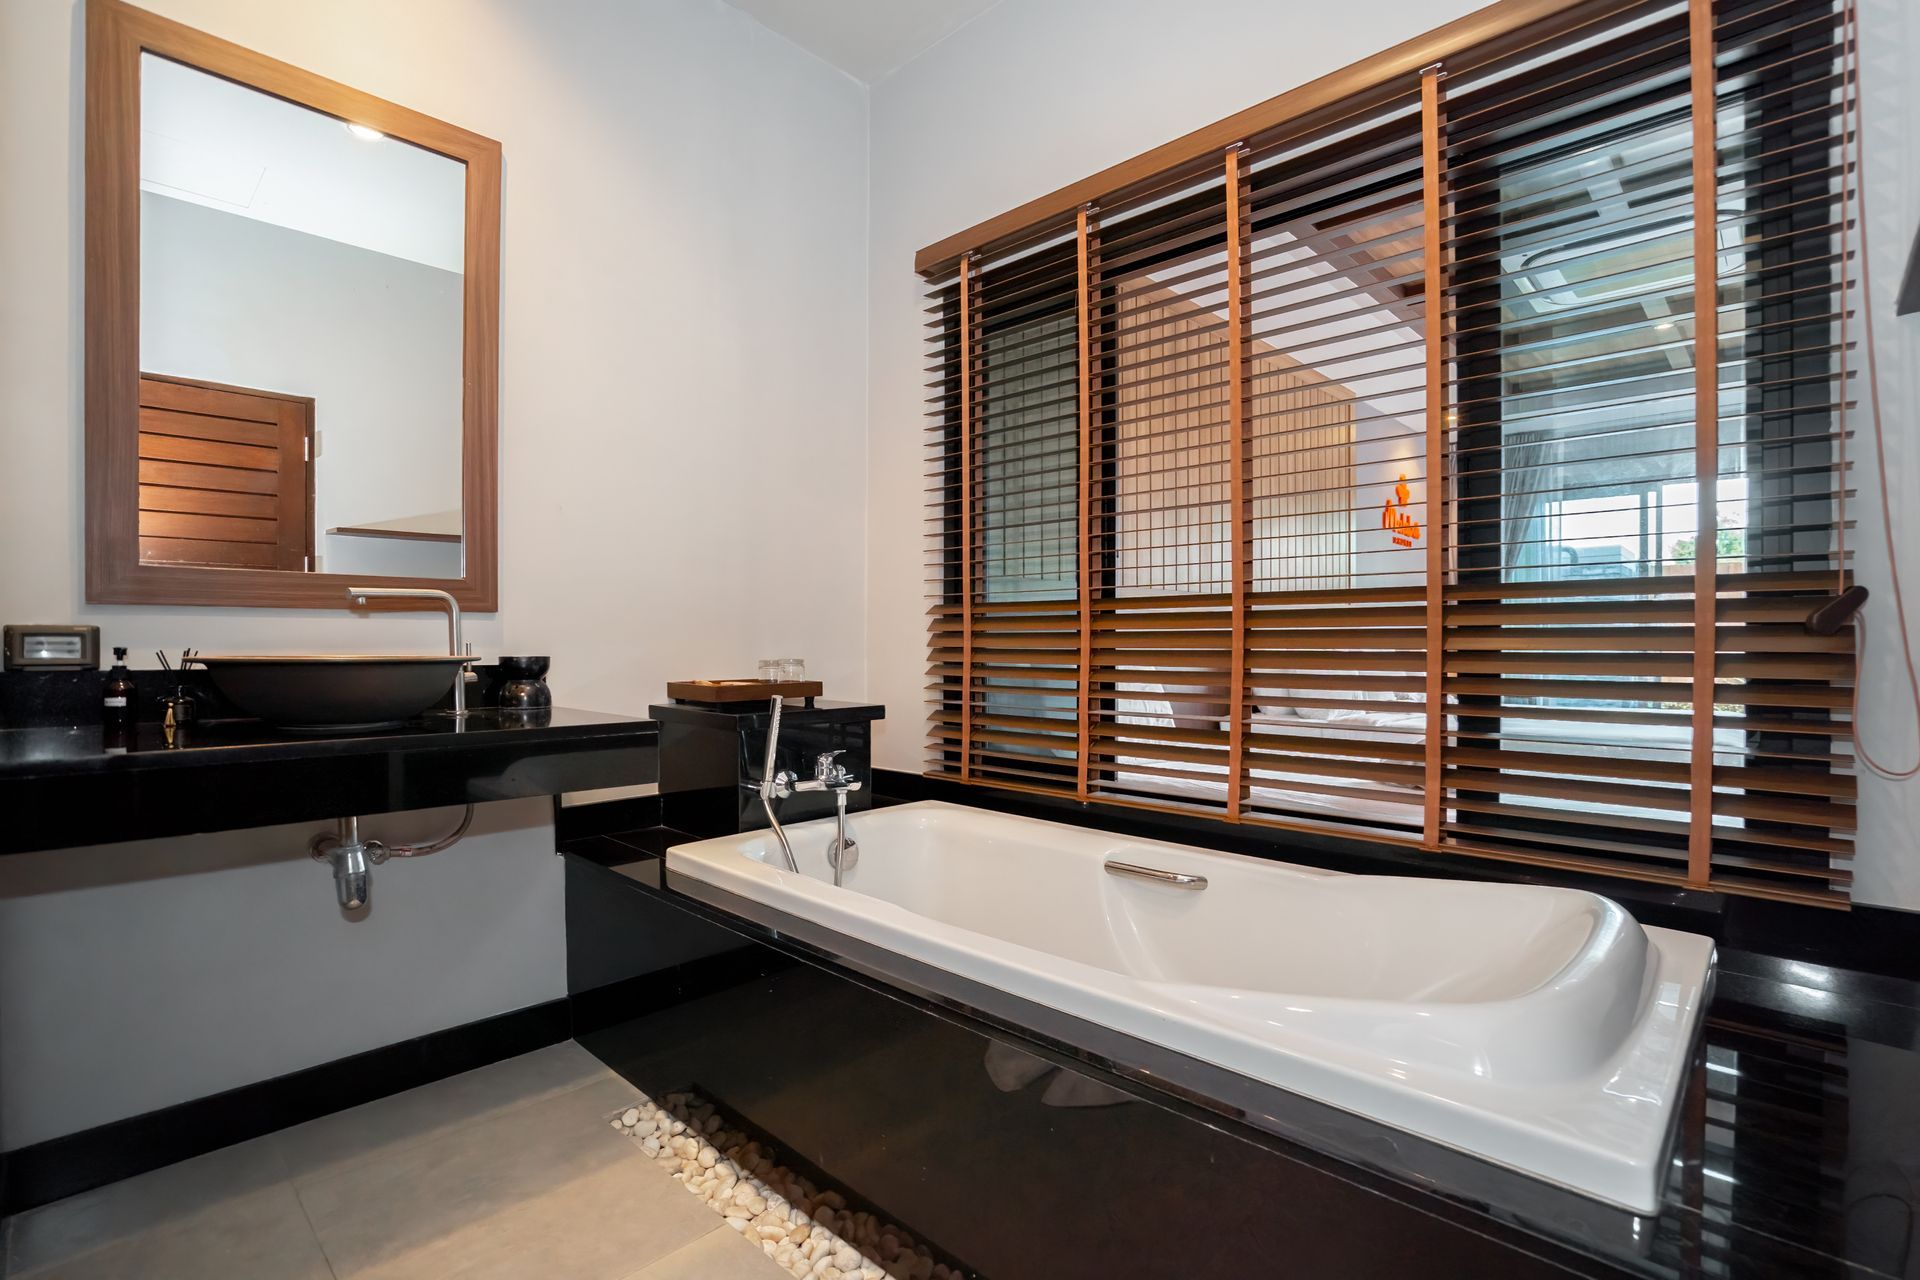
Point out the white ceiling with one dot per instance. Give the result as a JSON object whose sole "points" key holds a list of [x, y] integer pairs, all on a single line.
{"points": [[867, 39], [220, 144]]}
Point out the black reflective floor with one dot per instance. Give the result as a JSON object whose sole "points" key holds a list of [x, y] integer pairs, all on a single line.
{"points": [[1022, 1151]]}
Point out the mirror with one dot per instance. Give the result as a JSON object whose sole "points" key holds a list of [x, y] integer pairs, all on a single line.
{"points": [[298, 394], [300, 297]]}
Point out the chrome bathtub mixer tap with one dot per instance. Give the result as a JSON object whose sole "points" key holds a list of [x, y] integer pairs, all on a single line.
{"points": [[843, 854], [830, 775]]}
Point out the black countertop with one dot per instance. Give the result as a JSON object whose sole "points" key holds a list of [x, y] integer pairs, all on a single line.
{"points": [[1797, 1151], [65, 785], [65, 750]]}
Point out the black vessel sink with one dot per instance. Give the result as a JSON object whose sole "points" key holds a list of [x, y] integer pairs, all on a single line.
{"points": [[333, 693]]}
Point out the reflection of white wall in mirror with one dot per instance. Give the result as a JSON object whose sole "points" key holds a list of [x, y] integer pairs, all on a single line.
{"points": [[375, 340], [208, 141]]}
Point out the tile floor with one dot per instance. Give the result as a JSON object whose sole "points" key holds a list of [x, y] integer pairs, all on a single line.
{"points": [[510, 1170]]}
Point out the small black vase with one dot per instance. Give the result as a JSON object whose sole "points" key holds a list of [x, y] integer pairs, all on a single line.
{"points": [[526, 685]]}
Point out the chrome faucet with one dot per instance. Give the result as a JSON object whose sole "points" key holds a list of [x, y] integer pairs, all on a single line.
{"points": [[456, 647], [828, 775]]}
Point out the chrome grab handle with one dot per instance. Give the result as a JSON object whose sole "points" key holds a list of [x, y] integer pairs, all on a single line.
{"points": [[1175, 879]]}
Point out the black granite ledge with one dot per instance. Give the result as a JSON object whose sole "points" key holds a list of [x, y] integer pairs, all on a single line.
{"points": [[66, 786], [1797, 1151], [65, 751]]}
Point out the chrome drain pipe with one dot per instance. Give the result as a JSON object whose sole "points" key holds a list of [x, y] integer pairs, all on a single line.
{"points": [[352, 880], [353, 859]]}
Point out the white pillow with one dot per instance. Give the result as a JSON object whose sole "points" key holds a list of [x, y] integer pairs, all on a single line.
{"points": [[1331, 713], [1152, 711], [1305, 713]]}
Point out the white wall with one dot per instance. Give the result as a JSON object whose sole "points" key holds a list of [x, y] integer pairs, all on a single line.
{"points": [[133, 976], [374, 339], [683, 294], [1887, 869], [1054, 90]]}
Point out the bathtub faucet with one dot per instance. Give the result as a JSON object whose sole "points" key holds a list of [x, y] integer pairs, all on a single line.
{"points": [[830, 775]]}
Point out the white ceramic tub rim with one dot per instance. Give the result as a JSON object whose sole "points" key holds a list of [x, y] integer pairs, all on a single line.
{"points": [[1603, 1134]]}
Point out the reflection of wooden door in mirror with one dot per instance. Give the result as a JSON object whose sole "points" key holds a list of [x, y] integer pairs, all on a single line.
{"points": [[226, 475]]}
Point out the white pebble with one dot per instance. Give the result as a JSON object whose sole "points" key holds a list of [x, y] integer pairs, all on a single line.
{"points": [[810, 1233]]}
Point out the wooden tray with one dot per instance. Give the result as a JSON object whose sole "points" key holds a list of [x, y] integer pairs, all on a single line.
{"points": [[729, 692]]}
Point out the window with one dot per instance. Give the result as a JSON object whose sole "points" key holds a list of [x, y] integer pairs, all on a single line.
{"points": [[1362, 476]]}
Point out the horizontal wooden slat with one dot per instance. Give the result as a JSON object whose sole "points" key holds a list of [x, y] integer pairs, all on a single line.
{"points": [[208, 453], [184, 475], [196, 426], [248, 555], [210, 401], [212, 502], [206, 528]]}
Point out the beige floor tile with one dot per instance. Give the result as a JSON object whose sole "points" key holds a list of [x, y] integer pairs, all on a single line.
{"points": [[601, 1226], [718, 1255], [259, 1236], [53, 1233], [325, 1146], [394, 1204]]}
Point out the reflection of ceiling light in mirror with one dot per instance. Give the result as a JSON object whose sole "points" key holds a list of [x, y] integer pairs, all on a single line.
{"points": [[364, 133]]}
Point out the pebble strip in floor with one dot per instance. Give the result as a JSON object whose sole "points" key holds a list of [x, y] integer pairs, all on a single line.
{"points": [[808, 1231]]}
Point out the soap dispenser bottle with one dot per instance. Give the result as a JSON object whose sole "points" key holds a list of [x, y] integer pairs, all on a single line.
{"points": [[118, 698]]}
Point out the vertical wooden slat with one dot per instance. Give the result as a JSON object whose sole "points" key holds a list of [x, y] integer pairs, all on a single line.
{"points": [[1430, 126], [1237, 710], [1083, 307], [1706, 437], [967, 530]]}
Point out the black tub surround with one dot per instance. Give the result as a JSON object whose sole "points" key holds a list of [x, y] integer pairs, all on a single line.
{"points": [[65, 782], [1028, 1143]]}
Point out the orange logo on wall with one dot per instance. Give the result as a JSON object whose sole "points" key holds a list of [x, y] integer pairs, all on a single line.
{"points": [[1394, 518]]}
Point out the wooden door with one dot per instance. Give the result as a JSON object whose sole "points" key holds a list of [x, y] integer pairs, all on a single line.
{"points": [[226, 476]]}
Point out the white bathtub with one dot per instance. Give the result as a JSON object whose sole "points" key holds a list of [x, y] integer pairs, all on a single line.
{"points": [[1540, 1028]]}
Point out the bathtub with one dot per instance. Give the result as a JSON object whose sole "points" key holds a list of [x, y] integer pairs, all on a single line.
{"points": [[1543, 1029]]}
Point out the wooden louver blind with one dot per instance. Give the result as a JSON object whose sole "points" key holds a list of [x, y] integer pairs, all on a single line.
{"points": [[1370, 476]]}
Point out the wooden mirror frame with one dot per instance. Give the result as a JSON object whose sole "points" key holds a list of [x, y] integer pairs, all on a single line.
{"points": [[117, 34]]}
